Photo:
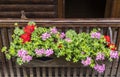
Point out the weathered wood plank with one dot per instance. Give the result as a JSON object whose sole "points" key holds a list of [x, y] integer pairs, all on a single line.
{"points": [[57, 62], [81, 72], [75, 72], [108, 8], [94, 73], [26, 8], [108, 69], [118, 69], [88, 72], [27, 1], [115, 34], [62, 72], [11, 68], [28, 14], [43, 72], [18, 72], [61, 9], [5, 43], [2, 58], [56, 72], [50, 72], [31, 72], [118, 38], [115, 12], [1, 71], [64, 22], [37, 72], [24, 72], [114, 68], [10, 31], [68, 72]]}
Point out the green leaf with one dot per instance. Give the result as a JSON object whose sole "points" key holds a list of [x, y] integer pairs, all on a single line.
{"points": [[110, 59], [31, 23], [18, 31], [12, 51], [4, 49], [75, 60], [71, 34], [8, 56], [92, 65], [19, 61]]}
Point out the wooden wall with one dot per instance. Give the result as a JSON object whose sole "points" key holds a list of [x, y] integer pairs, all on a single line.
{"points": [[116, 9], [32, 8], [60, 8]]}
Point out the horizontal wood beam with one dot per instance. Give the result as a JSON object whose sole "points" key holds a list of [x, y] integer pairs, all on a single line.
{"points": [[63, 22], [27, 1], [28, 14], [26, 7]]}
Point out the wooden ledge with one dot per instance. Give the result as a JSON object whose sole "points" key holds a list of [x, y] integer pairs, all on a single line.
{"points": [[64, 22]]}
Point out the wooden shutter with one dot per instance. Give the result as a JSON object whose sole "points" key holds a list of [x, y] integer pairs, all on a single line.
{"points": [[32, 8]]}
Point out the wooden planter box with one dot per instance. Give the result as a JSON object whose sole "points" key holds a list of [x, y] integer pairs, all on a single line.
{"points": [[58, 67], [52, 62]]}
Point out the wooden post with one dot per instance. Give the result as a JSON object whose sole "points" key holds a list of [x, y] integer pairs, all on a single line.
{"points": [[108, 8], [116, 9], [112, 9], [61, 8]]}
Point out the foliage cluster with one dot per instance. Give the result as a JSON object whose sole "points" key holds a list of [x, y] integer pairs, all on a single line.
{"points": [[89, 48]]}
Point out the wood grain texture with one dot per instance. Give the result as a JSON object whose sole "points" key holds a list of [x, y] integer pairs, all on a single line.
{"points": [[5, 43], [32, 8], [10, 62], [61, 8], [118, 69], [27, 1], [63, 22], [56, 72], [43, 72], [24, 72], [28, 14], [114, 68], [118, 38], [116, 9], [37, 72], [18, 72], [26, 8], [108, 8], [31, 72], [50, 72]]}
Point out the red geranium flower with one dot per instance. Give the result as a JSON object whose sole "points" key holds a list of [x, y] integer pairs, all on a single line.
{"points": [[107, 38], [25, 37], [29, 29], [112, 46]]}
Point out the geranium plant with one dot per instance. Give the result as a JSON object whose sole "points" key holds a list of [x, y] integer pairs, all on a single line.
{"points": [[91, 48]]}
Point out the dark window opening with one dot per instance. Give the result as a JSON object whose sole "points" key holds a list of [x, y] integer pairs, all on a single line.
{"points": [[85, 8]]}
